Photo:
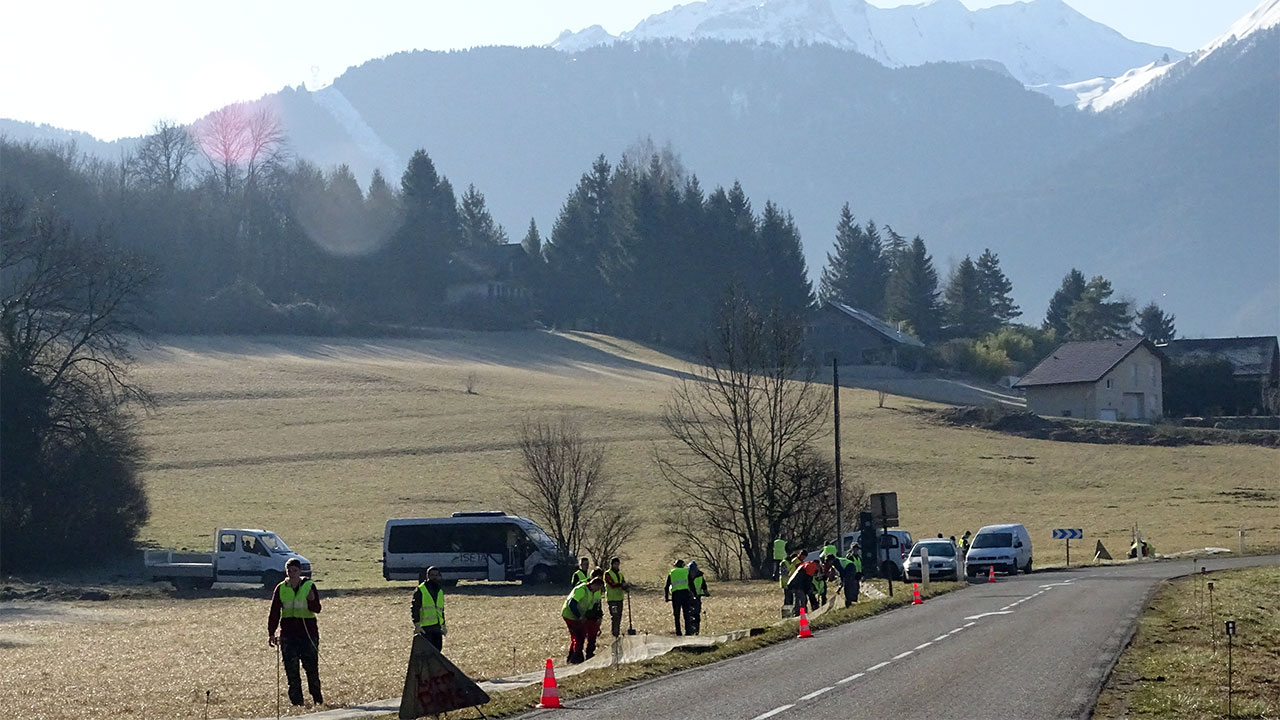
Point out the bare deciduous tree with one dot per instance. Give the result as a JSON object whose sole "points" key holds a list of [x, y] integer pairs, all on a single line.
{"points": [[563, 486], [743, 419], [68, 454], [163, 158], [241, 142]]}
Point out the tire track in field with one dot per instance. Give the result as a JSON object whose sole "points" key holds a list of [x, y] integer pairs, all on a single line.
{"points": [[366, 454]]}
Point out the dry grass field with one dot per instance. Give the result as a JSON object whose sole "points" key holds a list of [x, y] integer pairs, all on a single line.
{"points": [[323, 440]]}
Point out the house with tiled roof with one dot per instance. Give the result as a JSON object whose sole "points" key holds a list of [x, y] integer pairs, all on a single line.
{"points": [[1117, 379]]}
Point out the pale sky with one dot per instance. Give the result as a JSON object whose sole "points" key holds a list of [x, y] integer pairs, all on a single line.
{"points": [[113, 69]]}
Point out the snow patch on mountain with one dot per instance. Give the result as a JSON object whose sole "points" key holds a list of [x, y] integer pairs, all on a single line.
{"points": [[1102, 93], [1040, 42]]}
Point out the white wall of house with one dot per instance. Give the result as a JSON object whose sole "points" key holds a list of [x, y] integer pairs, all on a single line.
{"points": [[1073, 400]]}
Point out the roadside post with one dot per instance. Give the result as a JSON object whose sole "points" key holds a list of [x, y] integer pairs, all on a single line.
{"points": [[924, 567], [1242, 541], [835, 394], [884, 507], [1068, 535], [1212, 635], [1231, 632]]}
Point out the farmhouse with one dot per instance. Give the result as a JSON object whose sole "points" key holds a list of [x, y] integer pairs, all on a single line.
{"points": [[855, 337], [489, 273], [1103, 380]]}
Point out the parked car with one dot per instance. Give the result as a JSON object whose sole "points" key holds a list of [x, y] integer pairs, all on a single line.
{"points": [[486, 545], [239, 555], [944, 560], [1007, 547]]}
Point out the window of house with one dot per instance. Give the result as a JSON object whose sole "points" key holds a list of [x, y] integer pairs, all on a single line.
{"points": [[1108, 383], [1133, 373], [1067, 413]]}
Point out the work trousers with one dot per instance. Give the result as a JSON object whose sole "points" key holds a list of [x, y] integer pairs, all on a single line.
{"points": [[615, 617], [433, 636], [577, 639], [851, 588], [680, 600], [301, 650], [693, 619], [802, 594], [591, 632]]}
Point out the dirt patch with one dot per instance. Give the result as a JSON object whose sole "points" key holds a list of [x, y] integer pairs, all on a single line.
{"points": [[59, 592], [1029, 425]]}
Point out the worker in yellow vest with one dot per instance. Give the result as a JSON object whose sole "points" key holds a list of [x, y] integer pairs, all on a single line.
{"points": [[574, 611], [788, 569], [677, 593], [583, 572], [779, 556], [427, 608], [294, 606], [616, 587]]}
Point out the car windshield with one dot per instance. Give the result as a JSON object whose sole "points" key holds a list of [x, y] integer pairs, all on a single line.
{"points": [[274, 543], [993, 540], [935, 550], [539, 537]]}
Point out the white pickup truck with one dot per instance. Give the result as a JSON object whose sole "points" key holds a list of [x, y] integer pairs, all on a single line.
{"points": [[239, 556]]}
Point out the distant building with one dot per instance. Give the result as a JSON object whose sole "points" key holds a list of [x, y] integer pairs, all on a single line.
{"points": [[1099, 380], [495, 272], [1255, 366], [855, 337]]}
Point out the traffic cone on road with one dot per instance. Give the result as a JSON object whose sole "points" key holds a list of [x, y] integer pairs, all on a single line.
{"points": [[915, 594], [550, 693], [804, 625], [991, 573]]}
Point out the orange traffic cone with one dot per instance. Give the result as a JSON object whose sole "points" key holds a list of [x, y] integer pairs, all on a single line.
{"points": [[915, 594], [804, 625], [991, 573], [550, 693]]}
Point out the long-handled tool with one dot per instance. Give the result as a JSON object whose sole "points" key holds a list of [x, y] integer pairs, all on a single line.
{"points": [[630, 629]]}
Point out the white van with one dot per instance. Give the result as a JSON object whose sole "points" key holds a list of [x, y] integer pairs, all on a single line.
{"points": [[489, 545], [1007, 547]]}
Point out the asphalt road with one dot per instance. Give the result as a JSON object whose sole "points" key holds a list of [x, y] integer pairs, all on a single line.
{"points": [[1031, 646]]}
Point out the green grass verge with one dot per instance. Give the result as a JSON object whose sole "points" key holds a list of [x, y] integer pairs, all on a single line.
{"points": [[1176, 666], [515, 702]]}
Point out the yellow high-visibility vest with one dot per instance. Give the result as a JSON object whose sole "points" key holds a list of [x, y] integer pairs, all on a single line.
{"points": [[581, 595], [779, 549], [679, 578], [700, 585], [611, 593], [579, 577], [293, 603], [432, 612]]}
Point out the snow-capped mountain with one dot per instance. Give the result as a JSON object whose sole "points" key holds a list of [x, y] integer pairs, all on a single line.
{"points": [[1042, 43], [1103, 93]]}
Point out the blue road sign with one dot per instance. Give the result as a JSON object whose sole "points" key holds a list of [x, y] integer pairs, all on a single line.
{"points": [[1068, 534]]}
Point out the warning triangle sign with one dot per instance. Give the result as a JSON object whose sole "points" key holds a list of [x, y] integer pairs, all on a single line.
{"points": [[1101, 552], [433, 685]]}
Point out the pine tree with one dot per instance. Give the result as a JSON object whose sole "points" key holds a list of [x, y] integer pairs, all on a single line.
{"points": [[913, 291], [785, 285], [532, 242], [1095, 317], [1060, 304], [856, 275], [994, 289], [1155, 325], [428, 235], [477, 225], [966, 310]]}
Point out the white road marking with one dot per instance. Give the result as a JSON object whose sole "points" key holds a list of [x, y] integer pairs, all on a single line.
{"points": [[971, 624], [815, 693], [851, 678], [899, 656], [773, 712], [941, 637], [922, 646], [877, 667], [953, 632], [1054, 585], [1002, 611]]}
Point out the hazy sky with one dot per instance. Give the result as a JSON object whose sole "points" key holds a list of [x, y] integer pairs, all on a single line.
{"points": [[113, 69]]}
